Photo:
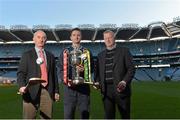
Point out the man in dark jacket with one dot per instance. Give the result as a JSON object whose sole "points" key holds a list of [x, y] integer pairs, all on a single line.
{"points": [[115, 71], [38, 63]]}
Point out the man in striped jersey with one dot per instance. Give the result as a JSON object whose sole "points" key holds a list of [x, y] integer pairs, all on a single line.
{"points": [[115, 71]]}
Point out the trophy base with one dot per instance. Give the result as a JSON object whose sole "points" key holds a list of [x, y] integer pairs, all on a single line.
{"points": [[78, 81]]}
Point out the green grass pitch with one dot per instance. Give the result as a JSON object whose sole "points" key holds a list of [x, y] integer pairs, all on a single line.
{"points": [[149, 100]]}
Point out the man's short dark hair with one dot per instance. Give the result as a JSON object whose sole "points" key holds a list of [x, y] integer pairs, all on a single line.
{"points": [[75, 29]]}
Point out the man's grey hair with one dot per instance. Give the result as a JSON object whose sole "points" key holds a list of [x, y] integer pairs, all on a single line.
{"points": [[108, 31], [39, 31]]}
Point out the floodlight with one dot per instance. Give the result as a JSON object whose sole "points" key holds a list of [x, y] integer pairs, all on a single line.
{"points": [[86, 26], [176, 19], [63, 26], [108, 25], [130, 25], [18, 27], [2, 27], [44, 27]]}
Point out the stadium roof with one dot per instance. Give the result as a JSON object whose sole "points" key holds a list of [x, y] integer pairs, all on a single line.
{"points": [[61, 33]]}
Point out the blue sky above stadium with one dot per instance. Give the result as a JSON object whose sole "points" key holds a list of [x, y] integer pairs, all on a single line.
{"points": [[75, 12]]}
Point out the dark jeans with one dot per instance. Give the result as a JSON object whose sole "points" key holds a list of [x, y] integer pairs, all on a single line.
{"points": [[111, 99], [73, 98]]}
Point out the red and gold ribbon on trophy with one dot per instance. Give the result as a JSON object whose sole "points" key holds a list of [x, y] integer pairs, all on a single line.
{"points": [[65, 66]]}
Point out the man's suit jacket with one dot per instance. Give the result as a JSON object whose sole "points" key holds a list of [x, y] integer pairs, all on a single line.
{"points": [[123, 69], [28, 68]]}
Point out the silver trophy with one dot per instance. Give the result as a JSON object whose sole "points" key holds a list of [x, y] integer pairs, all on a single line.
{"points": [[75, 60]]}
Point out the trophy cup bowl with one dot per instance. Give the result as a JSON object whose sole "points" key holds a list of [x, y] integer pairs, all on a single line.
{"points": [[75, 60]]}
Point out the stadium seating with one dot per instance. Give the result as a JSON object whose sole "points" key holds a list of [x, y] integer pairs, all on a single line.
{"points": [[145, 44]]}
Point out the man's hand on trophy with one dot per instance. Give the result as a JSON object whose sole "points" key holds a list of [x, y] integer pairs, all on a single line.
{"points": [[70, 83], [80, 68], [96, 85]]}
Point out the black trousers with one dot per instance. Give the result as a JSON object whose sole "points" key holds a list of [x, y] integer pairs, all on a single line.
{"points": [[73, 99], [112, 98]]}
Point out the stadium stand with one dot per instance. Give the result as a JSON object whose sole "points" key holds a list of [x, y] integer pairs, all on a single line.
{"points": [[155, 48]]}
